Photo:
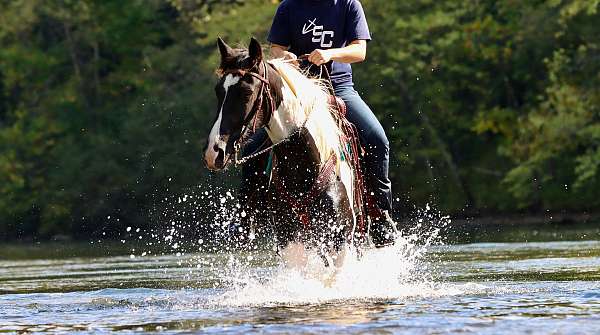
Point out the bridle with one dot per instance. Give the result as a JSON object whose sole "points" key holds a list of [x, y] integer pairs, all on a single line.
{"points": [[251, 119]]}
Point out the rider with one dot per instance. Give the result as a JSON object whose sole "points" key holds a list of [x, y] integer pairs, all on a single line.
{"points": [[335, 33]]}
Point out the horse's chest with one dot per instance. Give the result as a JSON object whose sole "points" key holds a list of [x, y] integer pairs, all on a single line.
{"points": [[295, 173]]}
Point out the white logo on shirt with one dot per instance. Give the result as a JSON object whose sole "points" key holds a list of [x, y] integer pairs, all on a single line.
{"points": [[323, 37]]}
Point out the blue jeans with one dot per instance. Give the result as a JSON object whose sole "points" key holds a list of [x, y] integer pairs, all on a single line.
{"points": [[372, 137], [376, 144]]}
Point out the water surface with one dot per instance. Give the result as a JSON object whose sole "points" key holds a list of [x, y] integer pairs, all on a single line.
{"points": [[487, 288]]}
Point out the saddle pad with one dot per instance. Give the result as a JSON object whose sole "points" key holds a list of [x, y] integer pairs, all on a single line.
{"points": [[338, 104]]}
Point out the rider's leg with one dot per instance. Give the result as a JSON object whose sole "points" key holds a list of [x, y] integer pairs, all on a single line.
{"points": [[373, 138]]}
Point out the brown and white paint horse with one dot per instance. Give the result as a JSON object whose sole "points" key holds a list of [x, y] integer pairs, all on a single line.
{"points": [[298, 118]]}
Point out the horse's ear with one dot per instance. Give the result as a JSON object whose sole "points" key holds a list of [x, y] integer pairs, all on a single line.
{"points": [[224, 49], [255, 50]]}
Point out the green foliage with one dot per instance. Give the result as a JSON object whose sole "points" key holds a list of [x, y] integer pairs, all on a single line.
{"points": [[490, 106], [486, 112], [557, 143], [99, 94]]}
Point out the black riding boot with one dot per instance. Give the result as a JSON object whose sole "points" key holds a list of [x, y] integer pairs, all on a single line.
{"points": [[378, 196], [382, 228]]}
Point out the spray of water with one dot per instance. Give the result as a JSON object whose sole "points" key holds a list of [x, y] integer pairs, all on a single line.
{"points": [[406, 269], [377, 274]]}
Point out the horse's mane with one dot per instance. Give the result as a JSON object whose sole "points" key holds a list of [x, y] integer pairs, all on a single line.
{"points": [[312, 97]]}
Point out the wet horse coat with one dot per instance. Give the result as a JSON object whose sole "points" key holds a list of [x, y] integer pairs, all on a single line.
{"points": [[306, 140]]}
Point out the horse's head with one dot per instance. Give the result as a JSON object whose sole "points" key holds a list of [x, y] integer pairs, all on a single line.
{"points": [[238, 90]]}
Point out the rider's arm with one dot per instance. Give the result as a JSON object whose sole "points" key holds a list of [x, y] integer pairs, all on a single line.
{"points": [[354, 52], [280, 35]]}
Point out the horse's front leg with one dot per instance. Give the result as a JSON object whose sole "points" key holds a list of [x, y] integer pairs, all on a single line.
{"points": [[289, 237], [338, 226], [253, 195], [346, 226], [333, 223], [294, 255]]}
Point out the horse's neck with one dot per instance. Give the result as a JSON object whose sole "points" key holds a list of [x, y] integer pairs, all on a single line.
{"points": [[298, 157], [284, 122], [290, 116]]}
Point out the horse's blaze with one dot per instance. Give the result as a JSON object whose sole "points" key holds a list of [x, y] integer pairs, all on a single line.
{"points": [[215, 155]]}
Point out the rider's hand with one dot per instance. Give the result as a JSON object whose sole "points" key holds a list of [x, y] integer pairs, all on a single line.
{"points": [[320, 57]]}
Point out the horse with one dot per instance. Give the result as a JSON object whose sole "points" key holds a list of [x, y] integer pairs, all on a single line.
{"points": [[313, 192]]}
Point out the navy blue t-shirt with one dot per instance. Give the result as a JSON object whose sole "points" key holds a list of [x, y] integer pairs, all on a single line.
{"points": [[306, 25]]}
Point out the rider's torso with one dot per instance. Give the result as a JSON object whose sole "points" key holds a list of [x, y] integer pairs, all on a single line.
{"points": [[315, 24]]}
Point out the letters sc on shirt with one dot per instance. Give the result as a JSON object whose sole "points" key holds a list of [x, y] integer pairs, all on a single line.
{"points": [[323, 37]]}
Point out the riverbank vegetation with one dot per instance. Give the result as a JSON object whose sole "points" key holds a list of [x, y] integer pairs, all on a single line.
{"points": [[491, 106]]}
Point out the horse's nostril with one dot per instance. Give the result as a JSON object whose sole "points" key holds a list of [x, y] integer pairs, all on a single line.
{"points": [[220, 161], [216, 148]]}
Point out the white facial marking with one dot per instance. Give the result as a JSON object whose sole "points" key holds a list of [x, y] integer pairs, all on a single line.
{"points": [[230, 80], [215, 138]]}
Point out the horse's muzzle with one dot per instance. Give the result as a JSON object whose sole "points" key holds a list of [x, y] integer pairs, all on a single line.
{"points": [[216, 161], [215, 154]]}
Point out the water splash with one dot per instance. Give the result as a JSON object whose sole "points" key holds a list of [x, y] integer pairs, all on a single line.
{"points": [[403, 270]]}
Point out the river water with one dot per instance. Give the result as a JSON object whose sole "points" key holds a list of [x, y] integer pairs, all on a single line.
{"points": [[546, 287]]}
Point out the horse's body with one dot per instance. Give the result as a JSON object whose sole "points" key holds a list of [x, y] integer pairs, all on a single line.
{"points": [[312, 182]]}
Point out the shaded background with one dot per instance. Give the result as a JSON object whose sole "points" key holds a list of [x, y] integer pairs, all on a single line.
{"points": [[492, 107]]}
